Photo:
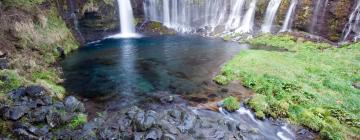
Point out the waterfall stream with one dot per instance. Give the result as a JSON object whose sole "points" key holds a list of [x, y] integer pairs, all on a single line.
{"points": [[289, 17], [318, 15], [270, 15], [126, 17], [235, 16], [248, 21], [353, 24]]}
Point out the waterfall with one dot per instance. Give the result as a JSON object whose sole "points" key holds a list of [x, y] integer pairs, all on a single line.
{"points": [[166, 7], [353, 24], [126, 20], [248, 21], [270, 15], [151, 13], [289, 15], [235, 16], [320, 8]]}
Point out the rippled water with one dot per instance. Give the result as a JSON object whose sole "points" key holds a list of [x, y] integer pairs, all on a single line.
{"points": [[133, 68]]}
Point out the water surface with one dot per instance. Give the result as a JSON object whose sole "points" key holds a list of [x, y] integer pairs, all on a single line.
{"points": [[133, 69]]}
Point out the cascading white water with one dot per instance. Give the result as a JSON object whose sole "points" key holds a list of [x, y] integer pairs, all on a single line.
{"points": [[248, 21], [166, 7], [289, 17], [353, 24], [235, 16], [126, 20], [270, 15], [150, 12], [190, 15], [319, 9]]}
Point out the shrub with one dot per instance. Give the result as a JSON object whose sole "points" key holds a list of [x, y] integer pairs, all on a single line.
{"points": [[231, 104]]}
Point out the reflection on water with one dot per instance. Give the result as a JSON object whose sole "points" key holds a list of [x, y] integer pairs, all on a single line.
{"points": [[133, 69]]}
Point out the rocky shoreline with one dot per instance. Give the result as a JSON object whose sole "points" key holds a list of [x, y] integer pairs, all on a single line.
{"points": [[32, 114]]}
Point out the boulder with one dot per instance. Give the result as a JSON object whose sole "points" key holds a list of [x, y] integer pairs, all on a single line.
{"points": [[17, 94], [16, 112], [73, 105], [39, 114], [35, 91]]}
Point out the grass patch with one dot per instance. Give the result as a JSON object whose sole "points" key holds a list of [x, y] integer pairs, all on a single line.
{"points": [[311, 84], [9, 80], [231, 104], [78, 120]]}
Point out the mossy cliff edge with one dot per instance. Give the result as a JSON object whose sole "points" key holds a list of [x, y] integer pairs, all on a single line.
{"points": [[33, 36]]}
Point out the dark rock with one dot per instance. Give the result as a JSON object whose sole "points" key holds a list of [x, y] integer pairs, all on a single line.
{"points": [[188, 122], [39, 114], [61, 52], [357, 85], [176, 114], [35, 91], [16, 112], [2, 54], [168, 137], [224, 90], [3, 63], [59, 106], [144, 120], [138, 135], [22, 133], [231, 126], [72, 105], [132, 112], [53, 119], [17, 93], [167, 99], [153, 134]]}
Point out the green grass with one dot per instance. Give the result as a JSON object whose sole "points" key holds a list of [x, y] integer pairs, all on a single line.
{"points": [[78, 120], [231, 104], [9, 80], [311, 84]]}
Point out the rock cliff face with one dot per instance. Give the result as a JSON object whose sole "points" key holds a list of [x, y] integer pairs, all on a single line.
{"points": [[98, 18]]}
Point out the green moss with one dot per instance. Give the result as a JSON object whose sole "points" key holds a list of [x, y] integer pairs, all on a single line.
{"points": [[311, 84], [9, 80], [231, 104], [78, 120]]}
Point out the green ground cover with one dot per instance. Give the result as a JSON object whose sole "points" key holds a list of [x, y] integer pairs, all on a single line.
{"points": [[311, 84]]}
